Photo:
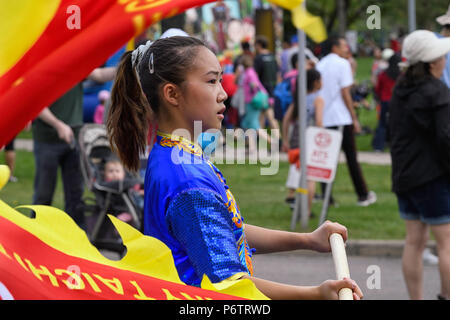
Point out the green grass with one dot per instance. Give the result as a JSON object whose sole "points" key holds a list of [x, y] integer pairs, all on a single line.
{"points": [[261, 201]]}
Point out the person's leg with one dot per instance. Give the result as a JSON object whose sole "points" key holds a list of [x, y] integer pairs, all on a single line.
{"points": [[273, 123], [412, 264], [349, 147], [73, 185], [46, 157], [311, 193], [379, 139], [10, 159], [442, 235], [292, 182]]}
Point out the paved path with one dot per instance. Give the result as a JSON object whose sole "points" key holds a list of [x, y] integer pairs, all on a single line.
{"points": [[379, 277]]}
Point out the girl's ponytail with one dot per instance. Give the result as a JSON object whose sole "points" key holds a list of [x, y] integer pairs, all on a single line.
{"points": [[128, 116]]}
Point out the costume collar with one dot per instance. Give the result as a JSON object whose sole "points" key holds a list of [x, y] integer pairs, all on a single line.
{"points": [[171, 140]]}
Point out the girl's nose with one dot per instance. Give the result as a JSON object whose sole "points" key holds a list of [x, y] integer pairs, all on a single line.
{"points": [[222, 95]]}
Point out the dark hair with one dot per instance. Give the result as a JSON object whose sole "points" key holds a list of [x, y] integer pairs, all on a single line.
{"points": [[415, 74], [332, 42], [312, 75], [133, 96], [393, 71], [294, 60], [262, 41], [245, 45]]}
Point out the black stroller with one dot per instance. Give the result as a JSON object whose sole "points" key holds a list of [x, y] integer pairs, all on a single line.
{"points": [[109, 197]]}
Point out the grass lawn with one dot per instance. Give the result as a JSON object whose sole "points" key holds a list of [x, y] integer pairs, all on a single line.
{"points": [[261, 198], [261, 201]]}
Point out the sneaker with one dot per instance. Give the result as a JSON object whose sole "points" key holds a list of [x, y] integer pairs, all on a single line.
{"points": [[429, 258], [13, 179], [371, 199]]}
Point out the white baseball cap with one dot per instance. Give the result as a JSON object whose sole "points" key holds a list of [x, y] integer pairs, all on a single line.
{"points": [[387, 54], [445, 19], [424, 46]]}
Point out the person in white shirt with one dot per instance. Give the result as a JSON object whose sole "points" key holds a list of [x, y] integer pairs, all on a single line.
{"points": [[337, 80]]}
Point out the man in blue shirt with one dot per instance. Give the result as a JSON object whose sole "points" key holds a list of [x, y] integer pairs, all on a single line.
{"points": [[444, 21]]}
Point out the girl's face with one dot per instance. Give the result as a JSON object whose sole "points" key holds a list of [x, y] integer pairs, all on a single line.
{"points": [[203, 95]]}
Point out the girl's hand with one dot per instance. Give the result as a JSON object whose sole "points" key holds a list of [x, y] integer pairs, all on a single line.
{"points": [[319, 238], [329, 290]]}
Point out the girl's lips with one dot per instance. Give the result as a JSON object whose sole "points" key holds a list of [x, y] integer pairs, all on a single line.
{"points": [[220, 113]]}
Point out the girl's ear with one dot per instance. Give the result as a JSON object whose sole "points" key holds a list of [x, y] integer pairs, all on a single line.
{"points": [[171, 93]]}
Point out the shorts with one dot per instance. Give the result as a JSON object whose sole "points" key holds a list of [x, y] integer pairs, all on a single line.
{"points": [[429, 203]]}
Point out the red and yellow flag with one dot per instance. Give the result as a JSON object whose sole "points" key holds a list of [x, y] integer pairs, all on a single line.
{"points": [[50, 257], [48, 46]]}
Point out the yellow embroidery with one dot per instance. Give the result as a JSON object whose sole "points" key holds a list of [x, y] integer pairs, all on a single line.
{"points": [[170, 141]]}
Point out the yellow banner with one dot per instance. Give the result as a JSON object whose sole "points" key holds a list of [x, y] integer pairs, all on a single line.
{"points": [[312, 25]]}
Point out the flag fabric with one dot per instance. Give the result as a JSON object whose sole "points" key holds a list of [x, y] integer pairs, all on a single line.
{"points": [[50, 257], [312, 25], [49, 46], [287, 4]]}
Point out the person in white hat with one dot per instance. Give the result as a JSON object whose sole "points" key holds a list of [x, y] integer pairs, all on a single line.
{"points": [[419, 126], [444, 21]]}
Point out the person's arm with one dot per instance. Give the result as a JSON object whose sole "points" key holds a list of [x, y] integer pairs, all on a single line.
{"points": [[269, 241], [347, 97], [319, 104], [346, 83], [442, 122], [103, 74], [64, 131], [328, 290], [287, 118]]}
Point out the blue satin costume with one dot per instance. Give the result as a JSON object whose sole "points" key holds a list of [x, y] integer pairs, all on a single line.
{"points": [[190, 208]]}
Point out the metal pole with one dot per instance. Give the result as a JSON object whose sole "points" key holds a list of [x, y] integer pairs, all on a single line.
{"points": [[301, 199], [412, 15]]}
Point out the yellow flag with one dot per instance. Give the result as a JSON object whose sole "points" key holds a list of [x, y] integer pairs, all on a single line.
{"points": [[312, 25], [287, 4]]}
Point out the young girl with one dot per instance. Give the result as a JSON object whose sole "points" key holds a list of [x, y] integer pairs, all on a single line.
{"points": [[314, 114], [188, 204]]}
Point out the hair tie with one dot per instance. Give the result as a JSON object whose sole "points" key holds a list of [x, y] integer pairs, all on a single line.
{"points": [[138, 53], [151, 66]]}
